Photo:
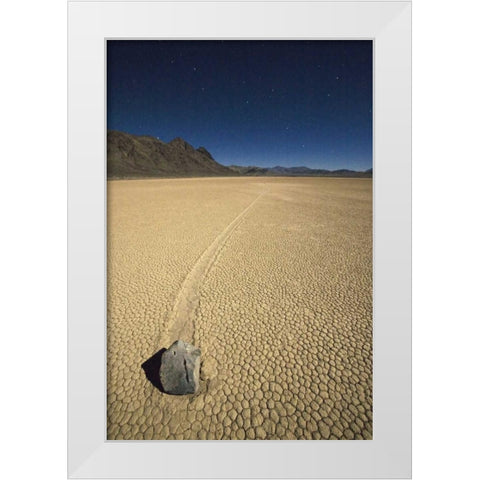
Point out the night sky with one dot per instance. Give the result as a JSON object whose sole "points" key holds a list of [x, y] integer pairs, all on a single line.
{"points": [[261, 103]]}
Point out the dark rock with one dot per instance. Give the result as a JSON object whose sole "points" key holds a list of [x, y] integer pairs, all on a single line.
{"points": [[180, 369]]}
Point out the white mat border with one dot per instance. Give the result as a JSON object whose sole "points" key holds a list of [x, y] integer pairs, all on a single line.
{"points": [[388, 455]]}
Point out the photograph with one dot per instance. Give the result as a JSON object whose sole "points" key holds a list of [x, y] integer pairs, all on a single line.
{"points": [[239, 239]]}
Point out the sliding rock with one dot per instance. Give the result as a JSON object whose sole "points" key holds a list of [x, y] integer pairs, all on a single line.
{"points": [[180, 369]]}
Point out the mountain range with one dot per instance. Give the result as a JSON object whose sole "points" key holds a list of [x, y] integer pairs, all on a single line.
{"points": [[298, 172], [143, 156], [130, 156]]}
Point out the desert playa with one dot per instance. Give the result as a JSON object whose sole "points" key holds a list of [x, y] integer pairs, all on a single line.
{"points": [[270, 277]]}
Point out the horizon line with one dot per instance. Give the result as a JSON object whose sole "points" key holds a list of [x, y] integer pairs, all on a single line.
{"points": [[236, 164]]}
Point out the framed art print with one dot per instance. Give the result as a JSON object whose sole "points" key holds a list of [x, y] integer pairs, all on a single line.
{"points": [[239, 239]]}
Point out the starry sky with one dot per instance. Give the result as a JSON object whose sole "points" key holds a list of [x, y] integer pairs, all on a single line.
{"points": [[248, 102]]}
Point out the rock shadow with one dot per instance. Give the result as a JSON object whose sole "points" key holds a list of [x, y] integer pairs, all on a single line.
{"points": [[151, 367]]}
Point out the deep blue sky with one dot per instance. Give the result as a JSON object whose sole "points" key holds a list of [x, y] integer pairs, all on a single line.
{"points": [[262, 103]]}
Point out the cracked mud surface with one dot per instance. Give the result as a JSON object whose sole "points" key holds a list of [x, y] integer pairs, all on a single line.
{"points": [[271, 278]]}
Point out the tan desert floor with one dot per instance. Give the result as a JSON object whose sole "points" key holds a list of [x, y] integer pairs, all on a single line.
{"points": [[271, 278]]}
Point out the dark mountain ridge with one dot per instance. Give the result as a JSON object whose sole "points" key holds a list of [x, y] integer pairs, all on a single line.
{"points": [[134, 156], [144, 156]]}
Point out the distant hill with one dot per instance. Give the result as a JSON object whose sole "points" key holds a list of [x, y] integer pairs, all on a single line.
{"points": [[299, 172], [142, 156], [251, 170], [133, 156]]}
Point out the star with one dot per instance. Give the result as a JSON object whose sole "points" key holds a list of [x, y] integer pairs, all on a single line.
{"points": [[194, 69], [246, 101], [338, 78]]}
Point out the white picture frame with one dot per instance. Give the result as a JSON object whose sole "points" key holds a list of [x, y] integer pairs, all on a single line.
{"points": [[90, 455]]}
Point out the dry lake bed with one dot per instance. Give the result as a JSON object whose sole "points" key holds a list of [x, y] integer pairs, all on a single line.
{"points": [[270, 277]]}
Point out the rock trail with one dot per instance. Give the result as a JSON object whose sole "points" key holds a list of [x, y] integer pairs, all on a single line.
{"points": [[181, 323]]}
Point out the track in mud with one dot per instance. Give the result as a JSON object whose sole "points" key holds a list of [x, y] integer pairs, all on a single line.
{"points": [[182, 319]]}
